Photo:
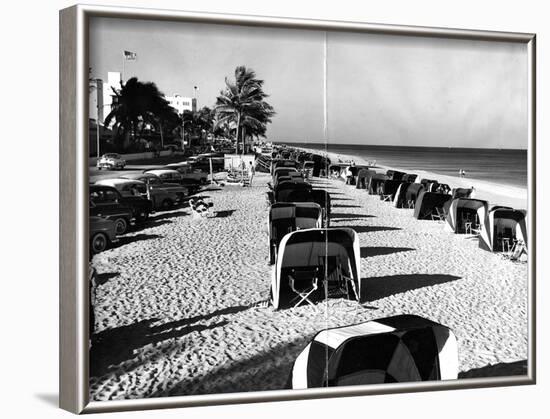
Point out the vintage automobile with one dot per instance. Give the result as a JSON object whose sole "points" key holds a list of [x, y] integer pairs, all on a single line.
{"points": [[126, 187], [120, 215], [108, 200], [102, 233], [163, 194], [188, 171], [111, 161]]}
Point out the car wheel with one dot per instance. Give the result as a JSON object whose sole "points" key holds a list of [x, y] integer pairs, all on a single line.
{"points": [[121, 226], [167, 204], [99, 242]]}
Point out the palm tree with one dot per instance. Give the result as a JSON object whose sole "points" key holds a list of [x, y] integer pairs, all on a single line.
{"points": [[198, 121], [136, 104], [242, 102]]}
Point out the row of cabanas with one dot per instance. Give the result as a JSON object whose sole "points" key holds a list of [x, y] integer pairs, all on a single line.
{"points": [[310, 261], [498, 228], [313, 262]]}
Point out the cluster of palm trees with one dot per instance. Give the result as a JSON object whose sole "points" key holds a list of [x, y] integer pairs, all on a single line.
{"points": [[241, 111]]}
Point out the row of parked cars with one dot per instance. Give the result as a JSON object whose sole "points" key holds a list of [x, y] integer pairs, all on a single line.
{"points": [[115, 203]]}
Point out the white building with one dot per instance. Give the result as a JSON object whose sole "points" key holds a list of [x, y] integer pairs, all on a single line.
{"points": [[180, 103], [101, 97]]}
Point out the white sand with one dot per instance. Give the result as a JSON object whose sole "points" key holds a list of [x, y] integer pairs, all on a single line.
{"points": [[176, 311]]}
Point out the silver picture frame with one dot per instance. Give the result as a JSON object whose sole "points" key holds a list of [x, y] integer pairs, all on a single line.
{"points": [[73, 216]]}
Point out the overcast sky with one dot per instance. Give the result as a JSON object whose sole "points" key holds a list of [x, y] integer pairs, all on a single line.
{"points": [[386, 90]]}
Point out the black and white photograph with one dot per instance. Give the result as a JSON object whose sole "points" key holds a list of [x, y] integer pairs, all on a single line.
{"points": [[286, 209]]}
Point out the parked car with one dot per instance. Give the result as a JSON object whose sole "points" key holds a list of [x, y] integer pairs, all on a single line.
{"points": [[188, 171], [163, 194], [107, 198], [126, 187], [167, 175], [111, 161], [120, 215], [102, 234]]}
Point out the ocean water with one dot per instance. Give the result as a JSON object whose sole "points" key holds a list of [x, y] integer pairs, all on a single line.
{"points": [[506, 167]]}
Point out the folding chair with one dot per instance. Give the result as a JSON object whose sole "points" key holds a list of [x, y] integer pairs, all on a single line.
{"points": [[303, 282], [200, 208], [440, 215], [386, 198]]}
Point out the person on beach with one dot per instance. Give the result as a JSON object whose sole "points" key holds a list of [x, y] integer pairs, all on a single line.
{"points": [[251, 172]]}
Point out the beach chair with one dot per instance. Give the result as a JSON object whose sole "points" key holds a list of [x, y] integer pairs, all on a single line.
{"points": [[199, 207], [303, 283], [516, 252], [439, 215], [335, 282], [386, 198]]}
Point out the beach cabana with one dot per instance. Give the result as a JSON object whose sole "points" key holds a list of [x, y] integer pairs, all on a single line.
{"points": [[295, 195], [322, 198], [287, 217], [362, 176], [466, 215], [388, 189], [426, 183], [403, 348], [395, 175], [409, 178], [411, 194], [289, 185], [399, 200], [374, 183], [427, 202], [312, 263], [282, 163], [502, 228], [461, 193]]}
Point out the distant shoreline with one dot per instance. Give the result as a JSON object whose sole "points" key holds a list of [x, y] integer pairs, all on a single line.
{"points": [[494, 193]]}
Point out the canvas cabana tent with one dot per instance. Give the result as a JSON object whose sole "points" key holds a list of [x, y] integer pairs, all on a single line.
{"points": [[322, 257], [412, 192], [426, 183], [322, 198], [409, 178], [399, 200], [427, 202], [374, 183], [363, 178], [403, 348], [286, 186], [287, 217], [502, 227], [395, 175], [388, 188], [282, 163], [464, 211], [461, 193]]}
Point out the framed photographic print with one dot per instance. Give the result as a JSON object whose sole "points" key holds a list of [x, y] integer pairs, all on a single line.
{"points": [[258, 208]]}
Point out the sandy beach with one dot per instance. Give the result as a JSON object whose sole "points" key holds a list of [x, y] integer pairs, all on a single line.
{"points": [[177, 309]]}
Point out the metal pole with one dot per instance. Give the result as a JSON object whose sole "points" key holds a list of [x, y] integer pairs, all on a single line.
{"points": [[98, 113]]}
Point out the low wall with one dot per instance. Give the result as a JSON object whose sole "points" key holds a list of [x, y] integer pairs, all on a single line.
{"points": [[135, 156]]}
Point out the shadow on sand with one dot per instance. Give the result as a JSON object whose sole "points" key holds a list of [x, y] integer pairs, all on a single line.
{"points": [[268, 370], [124, 240], [113, 346], [379, 251], [223, 214], [371, 229], [346, 206], [149, 224], [104, 277], [376, 288], [497, 370], [169, 215], [345, 216]]}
